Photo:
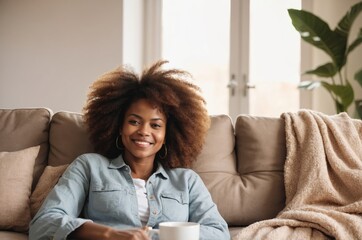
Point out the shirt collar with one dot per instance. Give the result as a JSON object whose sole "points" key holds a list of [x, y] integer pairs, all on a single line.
{"points": [[118, 162], [161, 171]]}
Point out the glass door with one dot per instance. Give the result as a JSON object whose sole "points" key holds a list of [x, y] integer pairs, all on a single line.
{"points": [[196, 38], [244, 55], [265, 58]]}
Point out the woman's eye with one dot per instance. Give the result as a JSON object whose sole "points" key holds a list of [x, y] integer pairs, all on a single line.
{"points": [[134, 122], [156, 125]]}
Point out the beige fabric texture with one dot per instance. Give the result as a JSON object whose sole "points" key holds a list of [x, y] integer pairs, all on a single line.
{"points": [[9, 235], [16, 175], [261, 152], [46, 183], [216, 165], [68, 138], [24, 128], [253, 179], [323, 176]]}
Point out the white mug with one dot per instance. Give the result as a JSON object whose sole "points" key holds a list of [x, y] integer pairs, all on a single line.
{"points": [[177, 231]]}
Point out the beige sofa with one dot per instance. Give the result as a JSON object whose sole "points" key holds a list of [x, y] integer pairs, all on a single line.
{"points": [[241, 164]]}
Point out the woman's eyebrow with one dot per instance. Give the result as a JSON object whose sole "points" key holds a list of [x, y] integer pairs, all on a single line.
{"points": [[134, 115], [138, 116]]}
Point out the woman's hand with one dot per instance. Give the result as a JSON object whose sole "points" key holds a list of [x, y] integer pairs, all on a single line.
{"points": [[91, 230], [131, 234]]}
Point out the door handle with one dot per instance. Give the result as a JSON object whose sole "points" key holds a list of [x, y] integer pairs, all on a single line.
{"points": [[233, 84], [247, 85]]}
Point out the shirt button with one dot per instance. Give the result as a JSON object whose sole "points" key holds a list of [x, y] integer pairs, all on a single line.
{"points": [[152, 197], [154, 212]]}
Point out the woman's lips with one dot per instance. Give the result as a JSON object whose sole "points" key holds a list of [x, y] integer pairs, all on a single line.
{"points": [[142, 143]]}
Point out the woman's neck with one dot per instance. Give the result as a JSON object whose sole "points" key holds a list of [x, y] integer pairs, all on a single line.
{"points": [[141, 169]]}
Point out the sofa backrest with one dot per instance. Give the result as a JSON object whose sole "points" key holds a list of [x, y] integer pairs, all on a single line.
{"points": [[241, 164], [242, 167], [24, 128], [261, 154], [68, 138]]}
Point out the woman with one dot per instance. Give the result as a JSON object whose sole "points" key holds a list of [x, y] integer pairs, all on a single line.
{"points": [[146, 132]]}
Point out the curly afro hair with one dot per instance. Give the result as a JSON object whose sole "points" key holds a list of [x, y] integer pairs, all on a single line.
{"points": [[181, 101]]}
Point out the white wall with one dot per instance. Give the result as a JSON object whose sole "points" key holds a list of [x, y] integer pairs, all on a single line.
{"points": [[332, 11], [51, 51]]}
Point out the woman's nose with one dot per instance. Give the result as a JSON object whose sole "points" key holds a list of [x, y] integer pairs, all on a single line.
{"points": [[143, 130]]}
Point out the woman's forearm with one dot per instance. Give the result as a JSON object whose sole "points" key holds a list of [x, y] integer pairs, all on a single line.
{"points": [[91, 230]]}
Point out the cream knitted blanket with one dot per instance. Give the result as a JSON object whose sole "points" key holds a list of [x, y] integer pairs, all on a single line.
{"points": [[323, 180]]}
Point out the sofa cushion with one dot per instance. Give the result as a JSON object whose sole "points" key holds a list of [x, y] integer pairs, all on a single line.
{"points": [[249, 187], [24, 128], [261, 153], [216, 165], [68, 138], [7, 235], [46, 183], [16, 175]]}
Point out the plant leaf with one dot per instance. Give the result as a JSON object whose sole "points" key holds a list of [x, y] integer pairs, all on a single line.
{"points": [[345, 24], [358, 77], [359, 108], [344, 94], [340, 108], [317, 32], [325, 70], [356, 42]]}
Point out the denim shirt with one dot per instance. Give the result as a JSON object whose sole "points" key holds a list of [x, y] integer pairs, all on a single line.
{"points": [[97, 189]]}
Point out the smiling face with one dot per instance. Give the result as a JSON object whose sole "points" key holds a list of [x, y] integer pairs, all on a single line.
{"points": [[143, 131]]}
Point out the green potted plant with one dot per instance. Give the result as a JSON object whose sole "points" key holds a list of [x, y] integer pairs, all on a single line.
{"points": [[335, 43]]}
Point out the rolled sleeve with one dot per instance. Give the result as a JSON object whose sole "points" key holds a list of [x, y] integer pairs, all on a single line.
{"points": [[59, 214], [204, 211]]}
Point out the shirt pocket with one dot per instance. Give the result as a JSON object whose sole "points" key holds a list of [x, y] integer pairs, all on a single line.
{"points": [[175, 206], [106, 198]]}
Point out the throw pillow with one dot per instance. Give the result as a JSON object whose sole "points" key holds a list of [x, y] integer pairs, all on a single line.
{"points": [[46, 183], [16, 176]]}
